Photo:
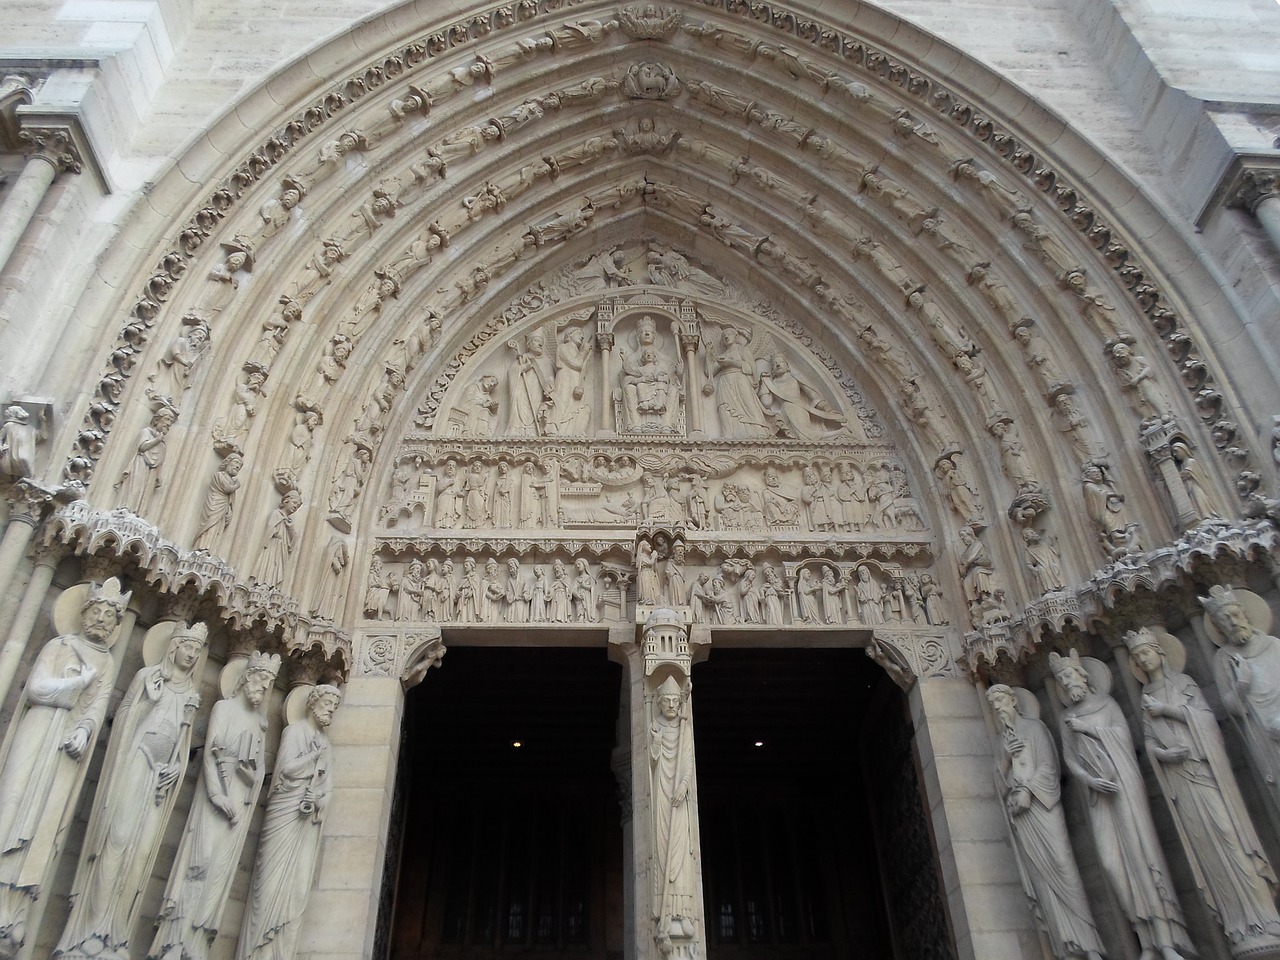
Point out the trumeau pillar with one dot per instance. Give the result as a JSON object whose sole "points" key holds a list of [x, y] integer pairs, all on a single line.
{"points": [[665, 890]]}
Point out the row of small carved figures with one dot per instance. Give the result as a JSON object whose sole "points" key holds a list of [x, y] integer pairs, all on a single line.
{"points": [[736, 592]]}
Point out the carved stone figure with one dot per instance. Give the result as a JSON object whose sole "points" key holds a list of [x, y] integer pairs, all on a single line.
{"points": [[277, 551], [182, 357], [530, 385], [807, 413], [977, 571], [584, 594], [568, 407], [301, 440], [1194, 481], [502, 497], [376, 590], [675, 591], [347, 487], [734, 382], [290, 840], [147, 756], [518, 593], [1027, 769], [869, 597], [1135, 374], [648, 587], [47, 752], [1099, 752], [1246, 670], [230, 779], [675, 880], [960, 493], [931, 595], [479, 409], [771, 594], [18, 438], [1037, 355], [219, 502], [602, 271], [1013, 456], [1105, 506], [141, 479], [651, 381], [1191, 763], [1043, 561], [475, 496], [781, 507], [833, 588]]}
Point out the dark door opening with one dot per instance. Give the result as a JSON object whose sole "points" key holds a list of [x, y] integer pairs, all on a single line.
{"points": [[801, 787], [512, 840]]}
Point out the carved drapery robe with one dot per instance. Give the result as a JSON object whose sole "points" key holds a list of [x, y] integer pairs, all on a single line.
{"points": [[151, 732], [200, 880], [1222, 846], [288, 846], [1049, 873], [1121, 821], [671, 764], [39, 780], [1248, 678]]}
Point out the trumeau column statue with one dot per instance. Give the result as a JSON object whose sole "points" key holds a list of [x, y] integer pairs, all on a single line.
{"points": [[290, 841], [146, 759], [1191, 763], [1099, 752], [1030, 782], [218, 823], [1246, 669], [48, 748], [675, 867]]}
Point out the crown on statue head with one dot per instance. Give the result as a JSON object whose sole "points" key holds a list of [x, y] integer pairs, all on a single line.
{"points": [[198, 630], [109, 593], [1142, 637], [259, 662], [1069, 664], [1220, 597]]}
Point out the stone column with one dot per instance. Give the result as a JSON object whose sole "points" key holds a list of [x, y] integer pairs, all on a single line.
{"points": [[25, 510], [1158, 443], [54, 153], [690, 339], [341, 920], [15, 644], [1253, 184], [604, 342]]}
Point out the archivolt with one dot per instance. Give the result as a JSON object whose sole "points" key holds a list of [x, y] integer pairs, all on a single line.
{"points": [[835, 176]]}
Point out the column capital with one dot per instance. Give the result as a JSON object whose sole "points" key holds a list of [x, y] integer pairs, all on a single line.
{"points": [[59, 137], [1250, 179]]}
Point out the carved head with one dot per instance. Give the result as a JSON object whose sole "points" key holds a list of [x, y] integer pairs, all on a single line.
{"points": [[232, 464], [258, 676], [186, 645], [1145, 651], [669, 698], [1004, 703], [16, 414], [322, 703], [1228, 614], [779, 365], [290, 502], [1070, 673]]}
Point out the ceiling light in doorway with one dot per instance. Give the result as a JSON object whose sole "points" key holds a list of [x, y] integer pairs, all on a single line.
{"points": [[517, 744]]}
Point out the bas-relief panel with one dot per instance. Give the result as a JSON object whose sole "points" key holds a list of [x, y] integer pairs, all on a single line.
{"points": [[650, 447]]}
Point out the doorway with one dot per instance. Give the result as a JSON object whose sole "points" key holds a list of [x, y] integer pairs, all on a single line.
{"points": [[814, 839], [511, 838]]}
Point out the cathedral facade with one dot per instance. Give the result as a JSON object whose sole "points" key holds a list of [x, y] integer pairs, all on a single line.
{"points": [[640, 480]]}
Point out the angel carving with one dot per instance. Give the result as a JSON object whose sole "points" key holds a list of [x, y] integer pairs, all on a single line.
{"points": [[652, 382], [733, 380], [806, 412]]}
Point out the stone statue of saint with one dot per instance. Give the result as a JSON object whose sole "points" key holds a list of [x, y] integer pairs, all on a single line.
{"points": [[1099, 752], [230, 780], [1246, 669], [1029, 780], [46, 753], [1190, 760], [289, 845], [150, 742], [675, 882]]}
